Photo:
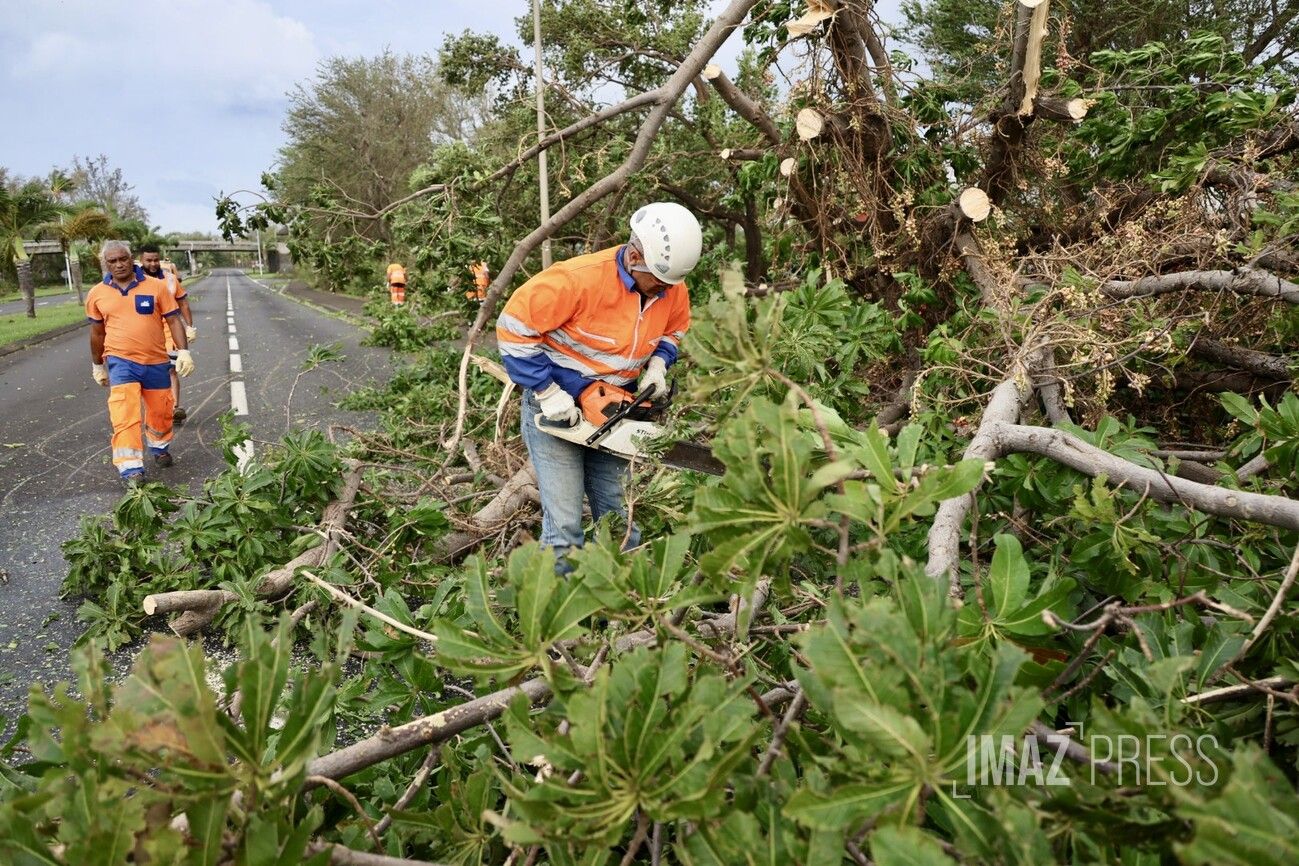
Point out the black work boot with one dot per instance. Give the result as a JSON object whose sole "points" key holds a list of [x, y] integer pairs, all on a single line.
{"points": [[163, 460]]}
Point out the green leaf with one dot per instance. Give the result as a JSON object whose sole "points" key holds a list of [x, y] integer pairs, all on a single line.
{"points": [[1007, 580], [906, 846], [1253, 821], [888, 729], [1239, 408], [207, 822], [841, 807]]}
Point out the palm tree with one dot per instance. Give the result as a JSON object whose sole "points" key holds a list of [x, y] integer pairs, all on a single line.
{"points": [[134, 232], [87, 222], [21, 212]]}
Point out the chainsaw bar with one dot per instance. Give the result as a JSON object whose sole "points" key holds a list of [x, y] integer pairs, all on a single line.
{"points": [[693, 457], [623, 439]]}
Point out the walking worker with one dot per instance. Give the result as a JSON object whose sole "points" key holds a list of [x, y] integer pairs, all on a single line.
{"points": [[482, 279], [397, 284], [128, 356], [151, 262], [610, 316]]}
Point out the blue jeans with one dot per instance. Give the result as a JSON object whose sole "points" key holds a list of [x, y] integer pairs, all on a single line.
{"points": [[565, 472]]}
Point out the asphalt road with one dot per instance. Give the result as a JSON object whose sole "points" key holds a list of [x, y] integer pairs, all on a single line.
{"points": [[54, 457]]}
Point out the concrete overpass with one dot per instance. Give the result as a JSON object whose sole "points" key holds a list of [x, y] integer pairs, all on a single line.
{"points": [[189, 247], [200, 246], [34, 247]]}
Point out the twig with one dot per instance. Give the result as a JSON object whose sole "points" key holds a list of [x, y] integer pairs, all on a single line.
{"points": [[490, 727], [794, 710], [1072, 750], [1087, 680], [421, 776], [1275, 607], [637, 840], [1228, 692], [347, 795], [379, 615]]}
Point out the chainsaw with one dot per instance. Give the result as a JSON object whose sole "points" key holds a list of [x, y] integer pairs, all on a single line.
{"points": [[615, 421]]}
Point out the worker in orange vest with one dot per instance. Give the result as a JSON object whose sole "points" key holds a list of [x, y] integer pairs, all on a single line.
{"points": [[611, 317], [482, 279], [155, 266], [129, 357], [397, 283]]}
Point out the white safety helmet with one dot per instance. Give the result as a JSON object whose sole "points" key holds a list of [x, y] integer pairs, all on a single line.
{"points": [[670, 238]]}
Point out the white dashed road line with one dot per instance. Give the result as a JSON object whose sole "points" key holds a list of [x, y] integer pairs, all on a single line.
{"points": [[238, 391], [238, 397]]}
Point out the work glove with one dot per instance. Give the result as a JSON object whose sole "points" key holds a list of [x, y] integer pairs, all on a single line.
{"points": [[184, 362], [557, 406], [99, 373], [656, 376], [191, 333]]}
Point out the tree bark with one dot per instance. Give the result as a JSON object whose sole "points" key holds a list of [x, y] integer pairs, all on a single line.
{"points": [[24, 267], [520, 489], [944, 540], [1245, 281], [437, 728], [1259, 363], [74, 269], [1073, 452]]}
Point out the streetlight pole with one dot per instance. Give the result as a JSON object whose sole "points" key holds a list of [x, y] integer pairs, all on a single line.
{"points": [[541, 131]]}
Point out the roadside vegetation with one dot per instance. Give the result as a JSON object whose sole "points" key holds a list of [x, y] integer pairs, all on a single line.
{"points": [[998, 352], [16, 326]]}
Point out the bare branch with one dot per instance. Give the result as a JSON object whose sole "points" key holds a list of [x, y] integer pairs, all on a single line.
{"points": [[1245, 281], [1092, 461], [1259, 363]]}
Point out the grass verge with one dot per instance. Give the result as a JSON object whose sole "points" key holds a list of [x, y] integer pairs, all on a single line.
{"points": [[18, 327], [8, 294]]}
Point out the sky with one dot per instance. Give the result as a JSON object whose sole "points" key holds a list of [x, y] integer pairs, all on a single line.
{"points": [[187, 96]]}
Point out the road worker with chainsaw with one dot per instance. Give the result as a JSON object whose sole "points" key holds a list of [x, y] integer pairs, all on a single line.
{"points": [[582, 332]]}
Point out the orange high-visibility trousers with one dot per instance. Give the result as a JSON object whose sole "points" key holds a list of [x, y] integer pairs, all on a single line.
{"points": [[124, 412]]}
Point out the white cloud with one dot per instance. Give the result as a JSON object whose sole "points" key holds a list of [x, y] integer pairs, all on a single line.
{"points": [[233, 52]]}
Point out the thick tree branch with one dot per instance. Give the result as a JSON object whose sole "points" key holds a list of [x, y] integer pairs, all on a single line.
{"points": [[442, 726], [1245, 281], [944, 540], [1259, 363], [1064, 448], [519, 490]]}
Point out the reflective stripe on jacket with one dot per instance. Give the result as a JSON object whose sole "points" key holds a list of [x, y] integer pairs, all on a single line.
{"points": [[582, 320]]}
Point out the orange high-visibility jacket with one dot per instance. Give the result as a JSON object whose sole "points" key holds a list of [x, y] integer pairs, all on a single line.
{"points": [[582, 320], [133, 318], [396, 274]]}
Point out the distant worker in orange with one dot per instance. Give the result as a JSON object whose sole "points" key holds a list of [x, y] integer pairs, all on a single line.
{"points": [[128, 355], [482, 279], [153, 265], [397, 283]]}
